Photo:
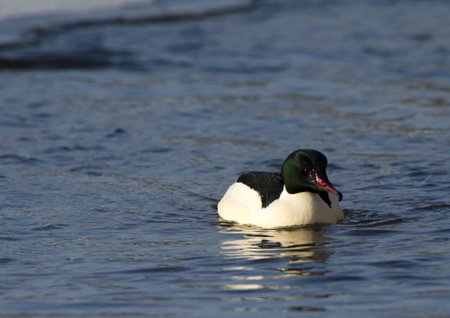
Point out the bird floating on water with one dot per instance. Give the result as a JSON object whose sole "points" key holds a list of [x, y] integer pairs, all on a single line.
{"points": [[300, 195]]}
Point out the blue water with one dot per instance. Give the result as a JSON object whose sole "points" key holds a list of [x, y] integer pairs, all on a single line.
{"points": [[118, 137]]}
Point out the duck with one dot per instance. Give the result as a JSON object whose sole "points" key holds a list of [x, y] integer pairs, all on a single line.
{"points": [[299, 195]]}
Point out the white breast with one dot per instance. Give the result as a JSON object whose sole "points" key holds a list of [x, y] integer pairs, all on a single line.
{"points": [[243, 205]]}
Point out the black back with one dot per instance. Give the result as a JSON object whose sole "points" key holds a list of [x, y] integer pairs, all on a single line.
{"points": [[269, 185]]}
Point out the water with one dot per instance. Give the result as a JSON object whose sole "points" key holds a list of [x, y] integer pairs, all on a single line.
{"points": [[117, 138]]}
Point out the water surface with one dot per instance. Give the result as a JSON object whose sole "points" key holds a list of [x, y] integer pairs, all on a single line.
{"points": [[118, 136]]}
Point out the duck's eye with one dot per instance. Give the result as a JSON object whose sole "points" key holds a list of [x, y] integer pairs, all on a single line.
{"points": [[305, 172]]}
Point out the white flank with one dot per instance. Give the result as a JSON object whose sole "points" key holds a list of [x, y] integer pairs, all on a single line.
{"points": [[243, 205]]}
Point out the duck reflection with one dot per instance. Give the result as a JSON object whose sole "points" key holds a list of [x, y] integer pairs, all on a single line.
{"points": [[299, 247]]}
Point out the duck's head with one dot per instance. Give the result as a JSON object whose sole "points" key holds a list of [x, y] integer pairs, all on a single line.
{"points": [[305, 170]]}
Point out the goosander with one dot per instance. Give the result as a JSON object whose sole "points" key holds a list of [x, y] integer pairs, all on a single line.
{"points": [[300, 195]]}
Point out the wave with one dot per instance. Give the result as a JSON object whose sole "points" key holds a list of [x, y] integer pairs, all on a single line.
{"points": [[34, 42], [25, 31]]}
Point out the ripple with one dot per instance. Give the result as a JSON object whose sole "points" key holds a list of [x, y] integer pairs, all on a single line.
{"points": [[9, 238], [307, 309], [18, 159], [404, 264], [117, 132], [435, 207], [345, 278], [371, 232], [150, 270], [50, 227], [6, 260], [90, 170], [363, 218], [303, 272]]}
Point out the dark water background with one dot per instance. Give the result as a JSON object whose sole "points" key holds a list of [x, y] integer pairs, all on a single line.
{"points": [[119, 133]]}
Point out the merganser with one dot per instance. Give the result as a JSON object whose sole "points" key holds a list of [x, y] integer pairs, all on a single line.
{"points": [[300, 195]]}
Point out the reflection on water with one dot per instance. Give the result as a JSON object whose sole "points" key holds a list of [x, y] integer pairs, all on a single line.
{"points": [[295, 248], [300, 245]]}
